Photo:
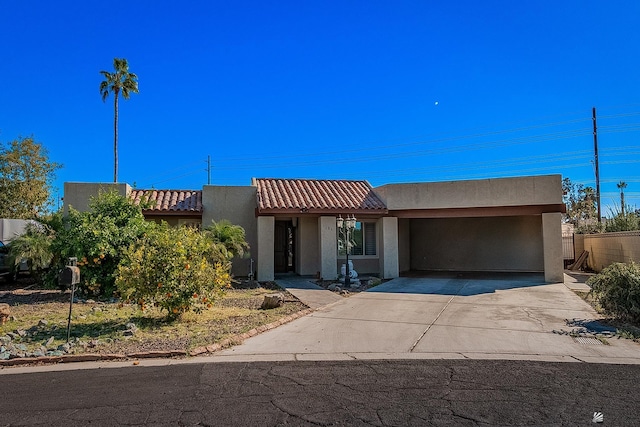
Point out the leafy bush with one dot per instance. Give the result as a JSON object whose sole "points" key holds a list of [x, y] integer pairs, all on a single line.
{"points": [[617, 290], [176, 269], [97, 238], [229, 238], [34, 246]]}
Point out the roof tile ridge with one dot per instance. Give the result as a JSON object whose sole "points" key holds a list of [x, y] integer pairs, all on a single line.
{"points": [[328, 188]]}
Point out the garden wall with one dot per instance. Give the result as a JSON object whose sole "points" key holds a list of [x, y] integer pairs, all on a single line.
{"points": [[607, 248]]}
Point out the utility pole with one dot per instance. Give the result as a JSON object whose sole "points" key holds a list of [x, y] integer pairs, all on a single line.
{"points": [[209, 170], [595, 150]]}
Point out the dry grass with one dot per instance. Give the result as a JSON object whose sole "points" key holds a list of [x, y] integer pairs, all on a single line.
{"points": [[99, 327]]}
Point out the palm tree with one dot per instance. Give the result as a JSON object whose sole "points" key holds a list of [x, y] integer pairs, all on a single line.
{"points": [[622, 185], [120, 81], [228, 238]]}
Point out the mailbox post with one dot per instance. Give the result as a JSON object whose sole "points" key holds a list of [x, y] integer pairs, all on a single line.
{"points": [[70, 277]]}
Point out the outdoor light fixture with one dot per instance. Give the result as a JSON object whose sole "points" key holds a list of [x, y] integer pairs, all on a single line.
{"points": [[345, 228]]}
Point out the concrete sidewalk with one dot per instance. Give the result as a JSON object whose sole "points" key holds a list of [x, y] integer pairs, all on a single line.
{"points": [[310, 294]]}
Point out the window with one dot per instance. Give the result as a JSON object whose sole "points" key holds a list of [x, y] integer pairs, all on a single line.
{"points": [[363, 239]]}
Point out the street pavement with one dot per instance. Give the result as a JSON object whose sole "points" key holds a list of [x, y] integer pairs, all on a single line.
{"points": [[357, 392], [492, 316]]}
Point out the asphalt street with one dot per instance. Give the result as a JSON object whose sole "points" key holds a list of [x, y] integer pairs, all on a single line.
{"points": [[357, 392]]}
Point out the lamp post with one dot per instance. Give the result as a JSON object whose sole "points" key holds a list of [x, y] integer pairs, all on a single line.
{"points": [[346, 226]]}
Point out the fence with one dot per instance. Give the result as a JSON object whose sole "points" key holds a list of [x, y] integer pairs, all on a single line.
{"points": [[568, 249], [607, 248]]}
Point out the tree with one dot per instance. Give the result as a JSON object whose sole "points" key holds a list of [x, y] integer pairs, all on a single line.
{"points": [[26, 179], [229, 238], [120, 81], [177, 269], [34, 246], [98, 238], [581, 206], [622, 185]]}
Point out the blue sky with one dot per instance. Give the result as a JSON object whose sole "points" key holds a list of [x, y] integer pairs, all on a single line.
{"points": [[385, 91]]}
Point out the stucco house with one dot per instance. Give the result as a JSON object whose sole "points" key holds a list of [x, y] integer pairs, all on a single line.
{"points": [[489, 225]]}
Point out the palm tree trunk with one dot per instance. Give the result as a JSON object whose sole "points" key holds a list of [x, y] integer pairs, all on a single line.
{"points": [[115, 140]]}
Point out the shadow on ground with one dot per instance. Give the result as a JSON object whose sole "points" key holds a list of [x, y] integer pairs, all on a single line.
{"points": [[461, 284]]}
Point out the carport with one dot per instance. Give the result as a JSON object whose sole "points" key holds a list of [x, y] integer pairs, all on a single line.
{"points": [[493, 225]]}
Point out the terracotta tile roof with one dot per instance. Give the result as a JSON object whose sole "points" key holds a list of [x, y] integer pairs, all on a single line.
{"points": [[317, 196], [169, 201]]}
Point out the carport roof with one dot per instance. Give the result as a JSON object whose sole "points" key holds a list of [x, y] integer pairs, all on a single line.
{"points": [[315, 196]]}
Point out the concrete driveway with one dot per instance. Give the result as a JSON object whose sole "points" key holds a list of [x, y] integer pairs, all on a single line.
{"points": [[492, 316]]}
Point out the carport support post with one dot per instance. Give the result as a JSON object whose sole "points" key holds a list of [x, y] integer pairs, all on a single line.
{"points": [[552, 247], [389, 259]]}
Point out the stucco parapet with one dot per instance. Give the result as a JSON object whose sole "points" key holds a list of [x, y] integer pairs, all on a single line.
{"points": [[530, 190]]}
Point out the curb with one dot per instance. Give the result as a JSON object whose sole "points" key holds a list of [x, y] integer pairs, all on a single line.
{"points": [[198, 351]]}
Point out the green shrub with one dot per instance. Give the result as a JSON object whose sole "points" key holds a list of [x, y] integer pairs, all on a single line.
{"points": [[97, 238], [617, 290], [176, 269], [229, 238], [34, 246]]}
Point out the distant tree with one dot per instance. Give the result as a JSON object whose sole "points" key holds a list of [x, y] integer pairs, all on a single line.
{"points": [[120, 81], [622, 185], [26, 179], [581, 205]]}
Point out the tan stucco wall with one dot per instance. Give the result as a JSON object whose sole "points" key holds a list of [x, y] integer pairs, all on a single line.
{"points": [[608, 248], [478, 244], [552, 247], [388, 247], [78, 194], [327, 247], [236, 204], [532, 190], [265, 233], [307, 245]]}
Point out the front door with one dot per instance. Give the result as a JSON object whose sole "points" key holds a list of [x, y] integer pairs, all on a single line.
{"points": [[283, 247]]}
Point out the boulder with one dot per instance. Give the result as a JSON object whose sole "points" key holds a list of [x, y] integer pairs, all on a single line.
{"points": [[272, 301]]}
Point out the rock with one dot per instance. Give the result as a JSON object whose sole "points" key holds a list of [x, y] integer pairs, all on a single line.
{"points": [[334, 287], [5, 313], [65, 348], [89, 301], [131, 329], [42, 323], [272, 301], [21, 347], [55, 353], [21, 332], [96, 309], [5, 356], [12, 335], [37, 353], [49, 341]]}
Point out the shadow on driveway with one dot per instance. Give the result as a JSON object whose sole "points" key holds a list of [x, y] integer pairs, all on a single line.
{"points": [[461, 284]]}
